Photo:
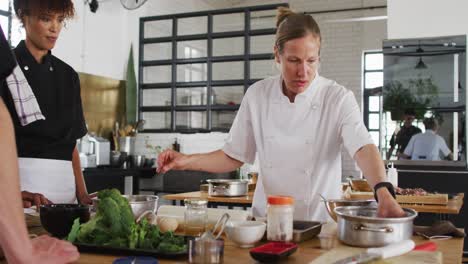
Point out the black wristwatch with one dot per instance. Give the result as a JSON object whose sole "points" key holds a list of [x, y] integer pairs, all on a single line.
{"points": [[387, 185]]}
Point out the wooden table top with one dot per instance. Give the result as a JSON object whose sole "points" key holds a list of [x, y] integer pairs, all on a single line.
{"points": [[204, 195], [308, 251], [451, 249], [453, 207]]}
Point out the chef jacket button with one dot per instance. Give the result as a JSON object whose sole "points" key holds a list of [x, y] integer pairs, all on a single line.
{"points": [[51, 69], [314, 107], [26, 68]]}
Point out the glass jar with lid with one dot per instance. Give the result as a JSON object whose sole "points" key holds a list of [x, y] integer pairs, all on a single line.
{"points": [[280, 213], [196, 214]]}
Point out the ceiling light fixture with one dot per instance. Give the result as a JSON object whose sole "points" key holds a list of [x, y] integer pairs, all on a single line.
{"points": [[421, 65]]}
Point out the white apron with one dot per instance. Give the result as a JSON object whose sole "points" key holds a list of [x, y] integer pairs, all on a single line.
{"points": [[52, 178]]}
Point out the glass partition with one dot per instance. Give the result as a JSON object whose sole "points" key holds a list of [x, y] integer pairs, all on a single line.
{"points": [[424, 99]]}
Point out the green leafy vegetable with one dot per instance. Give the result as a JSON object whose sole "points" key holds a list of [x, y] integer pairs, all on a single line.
{"points": [[114, 226]]}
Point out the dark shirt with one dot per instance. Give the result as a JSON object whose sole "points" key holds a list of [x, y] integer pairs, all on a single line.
{"points": [[57, 89], [403, 137], [7, 62]]}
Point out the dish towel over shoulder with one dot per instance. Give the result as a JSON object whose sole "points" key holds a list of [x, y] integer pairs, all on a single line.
{"points": [[25, 102]]}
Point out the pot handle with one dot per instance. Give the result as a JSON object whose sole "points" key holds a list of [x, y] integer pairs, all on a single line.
{"points": [[385, 229]]}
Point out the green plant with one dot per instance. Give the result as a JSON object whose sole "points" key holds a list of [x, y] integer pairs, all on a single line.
{"points": [[419, 94]]}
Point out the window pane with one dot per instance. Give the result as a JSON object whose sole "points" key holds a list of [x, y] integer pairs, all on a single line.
{"points": [[157, 120], [374, 79], [191, 49], [262, 44], [191, 96], [228, 70], [156, 97], [227, 95], [157, 74], [190, 119], [374, 103], [158, 51], [5, 24], [260, 69], [263, 19], [374, 121], [4, 6], [191, 72], [17, 32], [158, 28], [192, 25], [222, 119], [375, 137], [374, 61], [228, 46], [228, 22]]}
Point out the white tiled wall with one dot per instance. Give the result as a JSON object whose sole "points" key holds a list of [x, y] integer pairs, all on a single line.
{"points": [[341, 59]]}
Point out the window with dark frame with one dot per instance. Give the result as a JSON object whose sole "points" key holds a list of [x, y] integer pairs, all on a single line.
{"points": [[373, 82], [6, 18], [194, 68]]}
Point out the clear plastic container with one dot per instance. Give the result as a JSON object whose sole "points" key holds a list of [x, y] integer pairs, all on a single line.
{"points": [[280, 214], [196, 214]]}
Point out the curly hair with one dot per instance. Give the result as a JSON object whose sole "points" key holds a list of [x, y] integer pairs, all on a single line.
{"points": [[34, 7]]}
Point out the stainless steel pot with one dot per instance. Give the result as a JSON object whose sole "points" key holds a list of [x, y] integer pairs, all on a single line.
{"points": [[223, 187], [359, 226], [139, 203]]}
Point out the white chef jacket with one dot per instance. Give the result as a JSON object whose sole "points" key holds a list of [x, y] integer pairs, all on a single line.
{"points": [[298, 144], [426, 146]]}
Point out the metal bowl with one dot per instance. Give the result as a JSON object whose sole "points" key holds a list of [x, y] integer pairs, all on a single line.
{"points": [[333, 203], [138, 203]]}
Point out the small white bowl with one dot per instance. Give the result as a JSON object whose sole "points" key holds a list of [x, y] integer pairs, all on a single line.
{"points": [[245, 233]]}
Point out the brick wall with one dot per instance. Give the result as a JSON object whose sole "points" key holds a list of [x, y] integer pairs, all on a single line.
{"points": [[343, 45]]}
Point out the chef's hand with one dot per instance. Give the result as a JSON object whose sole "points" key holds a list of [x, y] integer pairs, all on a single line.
{"points": [[172, 160], [46, 249], [388, 206], [30, 199], [84, 198]]}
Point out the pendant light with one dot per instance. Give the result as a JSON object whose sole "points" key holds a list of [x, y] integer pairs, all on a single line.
{"points": [[421, 65]]}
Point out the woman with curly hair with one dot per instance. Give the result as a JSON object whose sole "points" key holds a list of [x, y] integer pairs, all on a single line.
{"points": [[45, 105]]}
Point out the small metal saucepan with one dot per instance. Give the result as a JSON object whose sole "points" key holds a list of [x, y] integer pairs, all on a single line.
{"points": [[359, 226], [224, 187]]}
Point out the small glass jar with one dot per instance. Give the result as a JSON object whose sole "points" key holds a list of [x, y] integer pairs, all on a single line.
{"points": [[196, 214], [280, 212]]}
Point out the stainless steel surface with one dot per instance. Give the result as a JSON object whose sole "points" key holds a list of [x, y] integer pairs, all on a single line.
{"points": [[139, 203], [138, 161], [305, 230], [333, 203], [360, 226], [225, 187]]}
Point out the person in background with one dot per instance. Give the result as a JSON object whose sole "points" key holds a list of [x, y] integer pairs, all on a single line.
{"points": [[404, 135], [14, 240], [49, 164], [427, 145], [297, 123]]}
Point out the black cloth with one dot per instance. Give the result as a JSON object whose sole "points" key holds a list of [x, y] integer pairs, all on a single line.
{"points": [[7, 61], [57, 89], [403, 137]]}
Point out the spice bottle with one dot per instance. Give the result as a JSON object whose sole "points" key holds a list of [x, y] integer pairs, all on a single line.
{"points": [[280, 212]]}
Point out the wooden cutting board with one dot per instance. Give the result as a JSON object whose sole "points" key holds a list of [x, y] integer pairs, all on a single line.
{"points": [[438, 198], [413, 257]]}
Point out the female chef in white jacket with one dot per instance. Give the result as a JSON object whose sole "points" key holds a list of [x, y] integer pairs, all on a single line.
{"points": [[297, 122]]}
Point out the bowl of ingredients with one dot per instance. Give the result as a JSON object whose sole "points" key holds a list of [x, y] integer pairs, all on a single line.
{"points": [[57, 219]]}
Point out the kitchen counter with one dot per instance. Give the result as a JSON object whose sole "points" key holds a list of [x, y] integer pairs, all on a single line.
{"points": [[308, 251], [453, 206]]}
